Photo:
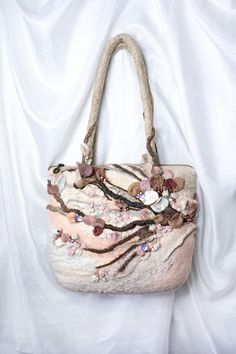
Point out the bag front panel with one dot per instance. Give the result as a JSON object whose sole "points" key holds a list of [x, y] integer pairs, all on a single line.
{"points": [[121, 228]]}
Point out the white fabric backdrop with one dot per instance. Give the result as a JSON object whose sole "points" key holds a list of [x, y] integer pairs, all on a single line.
{"points": [[49, 53]]}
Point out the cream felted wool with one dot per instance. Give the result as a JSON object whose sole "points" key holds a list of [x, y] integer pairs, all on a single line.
{"points": [[121, 228]]}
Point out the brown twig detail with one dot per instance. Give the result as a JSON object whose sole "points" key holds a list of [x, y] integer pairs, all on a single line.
{"points": [[181, 244], [142, 233], [117, 258], [128, 260], [127, 171]]}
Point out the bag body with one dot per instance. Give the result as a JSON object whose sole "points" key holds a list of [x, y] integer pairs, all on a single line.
{"points": [[121, 228]]}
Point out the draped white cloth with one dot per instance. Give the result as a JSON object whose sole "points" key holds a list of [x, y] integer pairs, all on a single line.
{"points": [[48, 58]]}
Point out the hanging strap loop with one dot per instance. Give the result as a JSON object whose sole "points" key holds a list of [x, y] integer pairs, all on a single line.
{"points": [[114, 44]]}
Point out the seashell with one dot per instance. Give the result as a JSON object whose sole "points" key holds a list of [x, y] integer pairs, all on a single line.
{"points": [[150, 197], [59, 242], [61, 182], [180, 183], [176, 221], [167, 174], [170, 183], [161, 205], [145, 185], [85, 170], [156, 182], [134, 189]]}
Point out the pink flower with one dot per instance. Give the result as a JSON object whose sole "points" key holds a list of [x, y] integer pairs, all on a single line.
{"points": [[113, 235], [85, 170], [71, 251], [65, 237], [167, 174], [52, 188], [170, 183], [145, 185], [98, 230]]}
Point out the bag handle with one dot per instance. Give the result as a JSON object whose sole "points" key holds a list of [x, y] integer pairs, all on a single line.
{"points": [[114, 44]]}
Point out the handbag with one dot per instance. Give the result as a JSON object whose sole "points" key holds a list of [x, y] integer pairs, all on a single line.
{"points": [[121, 228]]}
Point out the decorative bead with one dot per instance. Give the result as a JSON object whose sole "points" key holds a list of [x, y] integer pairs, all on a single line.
{"points": [[144, 247], [78, 217]]}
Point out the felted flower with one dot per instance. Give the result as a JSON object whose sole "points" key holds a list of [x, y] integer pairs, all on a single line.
{"points": [[160, 205], [71, 251], [65, 237], [52, 188], [180, 183], [167, 174], [191, 208], [178, 204], [134, 189], [84, 169], [156, 183], [113, 235], [156, 170], [170, 184], [159, 218], [145, 185], [98, 224], [98, 230], [100, 173], [176, 221]]}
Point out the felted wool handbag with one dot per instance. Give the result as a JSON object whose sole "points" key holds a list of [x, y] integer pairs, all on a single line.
{"points": [[121, 228]]}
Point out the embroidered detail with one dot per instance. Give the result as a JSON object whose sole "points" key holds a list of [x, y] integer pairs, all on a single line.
{"points": [[155, 199]]}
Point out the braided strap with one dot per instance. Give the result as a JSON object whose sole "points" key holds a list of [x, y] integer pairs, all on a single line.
{"points": [[116, 43]]}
